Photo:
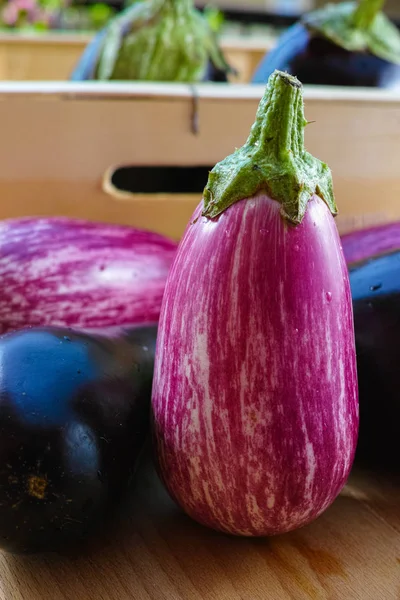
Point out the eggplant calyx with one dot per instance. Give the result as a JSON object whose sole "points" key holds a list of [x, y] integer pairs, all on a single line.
{"points": [[273, 159], [366, 12], [159, 40], [357, 27]]}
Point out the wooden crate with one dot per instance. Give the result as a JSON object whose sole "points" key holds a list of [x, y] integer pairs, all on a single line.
{"points": [[60, 141], [51, 57], [39, 57]]}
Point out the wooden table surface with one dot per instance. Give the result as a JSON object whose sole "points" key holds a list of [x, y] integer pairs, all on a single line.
{"points": [[352, 552]]}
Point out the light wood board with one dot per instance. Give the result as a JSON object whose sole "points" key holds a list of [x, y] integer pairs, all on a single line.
{"points": [[352, 552], [59, 140]]}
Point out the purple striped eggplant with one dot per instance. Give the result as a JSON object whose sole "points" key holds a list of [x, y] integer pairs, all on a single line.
{"points": [[255, 399], [66, 272], [365, 243]]}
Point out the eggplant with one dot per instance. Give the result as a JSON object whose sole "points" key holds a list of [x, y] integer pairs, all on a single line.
{"points": [[154, 40], [74, 416], [84, 69], [373, 258], [362, 244], [346, 44], [375, 285], [75, 273], [255, 402]]}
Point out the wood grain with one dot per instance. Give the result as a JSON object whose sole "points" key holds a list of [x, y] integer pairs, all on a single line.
{"points": [[61, 165], [352, 552]]}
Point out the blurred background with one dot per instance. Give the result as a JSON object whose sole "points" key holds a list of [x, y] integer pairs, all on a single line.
{"points": [[247, 16], [42, 40]]}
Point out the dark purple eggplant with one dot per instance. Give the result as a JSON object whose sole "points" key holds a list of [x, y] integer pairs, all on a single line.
{"points": [[375, 285], [84, 69], [74, 417], [347, 44]]}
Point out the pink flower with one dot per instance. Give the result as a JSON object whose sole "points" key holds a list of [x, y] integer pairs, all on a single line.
{"points": [[26, 5], [10, 14]]}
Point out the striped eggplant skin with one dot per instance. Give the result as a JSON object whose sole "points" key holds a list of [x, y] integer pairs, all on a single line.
{"points": [[255, 399], [74, 273], [372, 241]]}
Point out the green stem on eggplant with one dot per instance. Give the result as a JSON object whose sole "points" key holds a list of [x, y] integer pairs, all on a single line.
{"points": [[357, 27], [366, 12], [273, 159], [159, 40]]}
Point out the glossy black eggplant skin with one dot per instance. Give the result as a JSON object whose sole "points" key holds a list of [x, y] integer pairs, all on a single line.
{"points": [[74, 416], [375, 285], [315, 60], [84, 70]]}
